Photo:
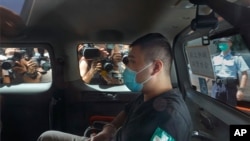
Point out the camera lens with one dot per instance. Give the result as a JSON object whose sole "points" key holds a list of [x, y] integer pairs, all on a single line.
{"points": [[46, 66], [125, 60], [7, 64], [108, 66]]}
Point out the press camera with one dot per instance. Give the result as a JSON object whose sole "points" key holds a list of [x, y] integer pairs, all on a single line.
{"points": [[91, 53]]}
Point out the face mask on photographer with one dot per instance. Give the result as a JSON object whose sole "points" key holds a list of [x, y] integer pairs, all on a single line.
{"points": [[129, 78]]}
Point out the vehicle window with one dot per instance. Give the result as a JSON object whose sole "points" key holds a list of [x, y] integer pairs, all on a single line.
{"points": [[15, 6], [221, 70], [103, 65], [23, 65]]}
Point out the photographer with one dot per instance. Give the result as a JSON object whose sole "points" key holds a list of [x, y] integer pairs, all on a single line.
{"points": [[90, 68], [20, 68], [29, 71], [3, 78], [115, 75]]}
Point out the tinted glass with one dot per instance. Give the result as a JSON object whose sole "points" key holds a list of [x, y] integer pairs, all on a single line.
{"points": [[103, 65], [24, 65], [212, 67]]}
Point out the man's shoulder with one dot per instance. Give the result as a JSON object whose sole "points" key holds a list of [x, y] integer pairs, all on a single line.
{"points": [[173, 99], [216, 55], [173, 93], [175, 102], [235, 53]]}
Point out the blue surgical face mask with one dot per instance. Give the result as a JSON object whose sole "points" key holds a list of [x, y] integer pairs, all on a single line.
{"points": [[223, 46], [129, 78]]}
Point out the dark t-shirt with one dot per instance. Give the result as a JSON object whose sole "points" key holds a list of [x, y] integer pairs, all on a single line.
{"points": [[164, 118]]}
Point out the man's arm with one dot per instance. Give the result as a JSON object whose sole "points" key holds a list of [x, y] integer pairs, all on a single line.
{"points": [[5, 76], [110, 129], [30, 79], [243, 80], [85, 74], [243, 83], [119, 120]]}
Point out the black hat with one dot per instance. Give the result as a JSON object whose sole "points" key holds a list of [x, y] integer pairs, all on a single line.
{"points": [[225, 39]]}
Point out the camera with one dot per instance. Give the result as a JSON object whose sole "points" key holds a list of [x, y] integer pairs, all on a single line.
{"points": [[107, 64], [43, 61], [89, 52], [45, 65], [10, 62], [7, 64], [125, 57]]}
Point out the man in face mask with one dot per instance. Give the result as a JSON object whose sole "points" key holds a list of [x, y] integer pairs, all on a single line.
{"points": [[159, 113], [227, 87]]}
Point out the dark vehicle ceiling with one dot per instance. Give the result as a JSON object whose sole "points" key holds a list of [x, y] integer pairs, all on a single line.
{"points": [[106, 20], [120, 21]]}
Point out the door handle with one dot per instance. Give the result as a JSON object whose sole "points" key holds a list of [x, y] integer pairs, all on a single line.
{"points": [[203, 136], [207, 120]]}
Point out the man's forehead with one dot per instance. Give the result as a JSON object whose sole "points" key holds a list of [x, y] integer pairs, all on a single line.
{"points": [[136, 52]]}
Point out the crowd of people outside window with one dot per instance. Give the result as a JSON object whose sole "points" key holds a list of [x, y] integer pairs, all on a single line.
{"points": [[104, 68], [26, 65]]}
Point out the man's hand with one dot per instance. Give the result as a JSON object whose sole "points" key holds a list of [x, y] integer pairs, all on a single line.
{"points": [[239, 95], [117, 57], [105, 135], [96, 66], [20, 66], [29, 70], [104, 53], [99, 137], [24, 66], [28, 79]]}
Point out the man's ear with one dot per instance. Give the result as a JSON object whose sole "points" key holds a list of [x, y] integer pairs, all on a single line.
{"points": [[158, 66]]}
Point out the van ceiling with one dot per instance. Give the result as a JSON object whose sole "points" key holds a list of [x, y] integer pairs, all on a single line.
{"points": [[107, 20]]}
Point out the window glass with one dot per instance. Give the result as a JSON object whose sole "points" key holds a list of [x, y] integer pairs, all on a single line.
{"points": [[101, 65], [21, 65], [221, 70]]}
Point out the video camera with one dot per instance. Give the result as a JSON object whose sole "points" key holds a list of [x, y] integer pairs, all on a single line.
{"points": [[91, 53]]}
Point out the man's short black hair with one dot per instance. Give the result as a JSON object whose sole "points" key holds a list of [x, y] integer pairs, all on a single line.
{"points": [[155, 46], [148, 38]]}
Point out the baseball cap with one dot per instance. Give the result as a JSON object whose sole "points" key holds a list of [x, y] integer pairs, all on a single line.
{"points": [[225, 39]]}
